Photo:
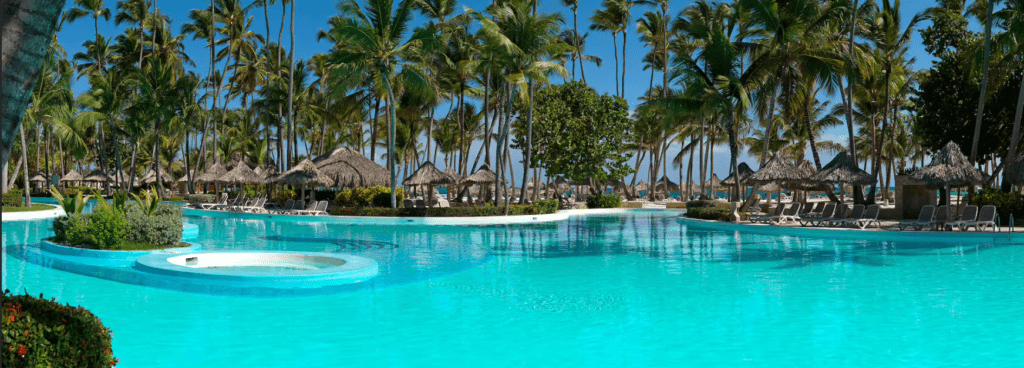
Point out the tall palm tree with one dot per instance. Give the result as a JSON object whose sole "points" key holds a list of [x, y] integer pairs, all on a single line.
{"points": [[97, 10], [524, 41], [574, 5], [374, 39], [984, 80], [1011, 20], [578, 45], [604, 20]]}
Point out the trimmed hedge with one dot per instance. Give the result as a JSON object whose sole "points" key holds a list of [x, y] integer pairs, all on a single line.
{"points": [[13, 198], [43, 333], [537, 208], [201, 198], [699, 204], [714, 213], [163, 228], [604, 201], [108, 229]]}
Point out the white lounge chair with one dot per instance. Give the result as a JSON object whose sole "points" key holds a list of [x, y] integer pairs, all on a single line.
{"points": [[941, 217], [923, 219], [221, 202], [812, 219], [309, 209], [870, 216], [985, 219], [856, 214], [969, 214], [765, 217]]}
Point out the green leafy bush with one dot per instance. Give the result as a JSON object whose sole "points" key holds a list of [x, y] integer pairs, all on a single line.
{"points": [[79, 230], [699, 204], [1007, 203], [604, 201], [366, 211], [43, 333], [163, 227], [714, 213], [14, 198], [108, 228], [546, 206], [281, 196], [377, 196], [78, 224], [201, 198]]}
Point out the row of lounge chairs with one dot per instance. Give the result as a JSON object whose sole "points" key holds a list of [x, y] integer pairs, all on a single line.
{"points": [[258, 205], [293, 207], [940, 219], [821, 214]]}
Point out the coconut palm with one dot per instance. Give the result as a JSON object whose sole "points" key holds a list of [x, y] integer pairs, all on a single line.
{"points": [[375, 40], [984, 78]]}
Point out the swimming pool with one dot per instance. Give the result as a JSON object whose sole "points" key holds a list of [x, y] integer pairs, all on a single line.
{"points": [[630, 290]]}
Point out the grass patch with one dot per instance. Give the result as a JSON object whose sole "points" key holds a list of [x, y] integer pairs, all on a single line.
{"points": [[128, 245], [35, 207]]}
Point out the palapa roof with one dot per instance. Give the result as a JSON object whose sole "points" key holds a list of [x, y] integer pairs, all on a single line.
{"points": [[642, 185], [212, 174], [714, 181], [806, 170], [38, 177], [949, 167], [745, 173], [660, 184], [150, 177], [97, 176], [428, 174], [842, 169], [776, 169], [451, 172], [72, 176], [266, 172], [184, 178], [349, 168], [482, 176], [243, 175], [305, 173]]}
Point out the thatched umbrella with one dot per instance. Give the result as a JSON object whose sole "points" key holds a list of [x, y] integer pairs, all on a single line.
{"points": [[776, 169], [239, 158], [428, 176], [666, 184], [745, 173], [37, 178], [482, 176], [212, 174], [805, 170], [72, 176], [349, 168], [949, 168], [241, 175], [714, 181], [96, 176], [150, 178], [642, 185], [303, 174], [842, 169]]}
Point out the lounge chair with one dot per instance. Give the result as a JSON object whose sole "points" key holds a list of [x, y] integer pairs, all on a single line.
{"points": [[320, 209], [856, 214], [296, 205], [408, 203], [985, 219], [255, 207], [223, 201], [755, 209], [420, 203], [819, 219], [870, 216], [969, 214], [443, 203], [791, 214], [288, 204], [941, 217], [923, 219], [309, 209], [813, 210], [764, 217]]}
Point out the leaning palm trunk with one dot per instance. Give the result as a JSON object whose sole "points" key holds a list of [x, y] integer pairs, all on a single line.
{"points": [[391, 139], [27, 31], [529, 145], [1014, 139], [984, 83], [24, 158]]}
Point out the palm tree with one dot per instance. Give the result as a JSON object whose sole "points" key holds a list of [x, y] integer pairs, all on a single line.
{"points": [[574, 5], [578, 46], [96, 9], [604, 20], [1011, 19], [374, 39], [984, 80], [522, 40]]}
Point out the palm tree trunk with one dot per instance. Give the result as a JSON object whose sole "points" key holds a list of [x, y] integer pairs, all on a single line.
{"points": [[1015, 138], [625, 36], [24, 159], [391, 139], [291, 82], [984, 82], [769, 132], [27, 31], [529, 142], [615, 46]]}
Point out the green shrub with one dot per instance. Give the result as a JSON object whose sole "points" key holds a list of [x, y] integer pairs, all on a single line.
{"points": [[283, 195], [14, 198], [377, 196], [546, 206], [1007, 203], [201, 198], [108, 228], [604, 201], [700, 204], [63, 224], [714, 213], [366, 211], [78, 231], [163, 227], [43, 333]]}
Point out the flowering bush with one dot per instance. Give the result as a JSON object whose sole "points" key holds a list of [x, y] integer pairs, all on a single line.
{"points": [[43, 333]]}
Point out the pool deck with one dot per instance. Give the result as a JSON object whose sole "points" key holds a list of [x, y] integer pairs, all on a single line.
{"points": [[53, 212], [395, 221]]}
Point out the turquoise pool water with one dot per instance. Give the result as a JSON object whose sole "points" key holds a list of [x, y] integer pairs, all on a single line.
{"points": [[631, 290]]}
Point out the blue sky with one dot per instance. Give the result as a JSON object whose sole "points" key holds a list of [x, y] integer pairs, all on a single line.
{"points": [[311, 16]]}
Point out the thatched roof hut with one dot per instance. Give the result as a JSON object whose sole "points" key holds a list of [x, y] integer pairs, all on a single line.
{"points": [[266, 172], [806, 170], [842, 169], [184, 178], [72, 176], [38, 177], [776, 169], [150, 177], [745, 172], [642, 185], [949, 167], [482, 176], [305, 173], [714, 181], [666, 185], [451, 172], [349, 168], [212, 174], [97, 176], [241, 175], [428, 175]]}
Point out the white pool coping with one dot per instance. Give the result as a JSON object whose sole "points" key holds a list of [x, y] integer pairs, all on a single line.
{"points": [[54, 212]]}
